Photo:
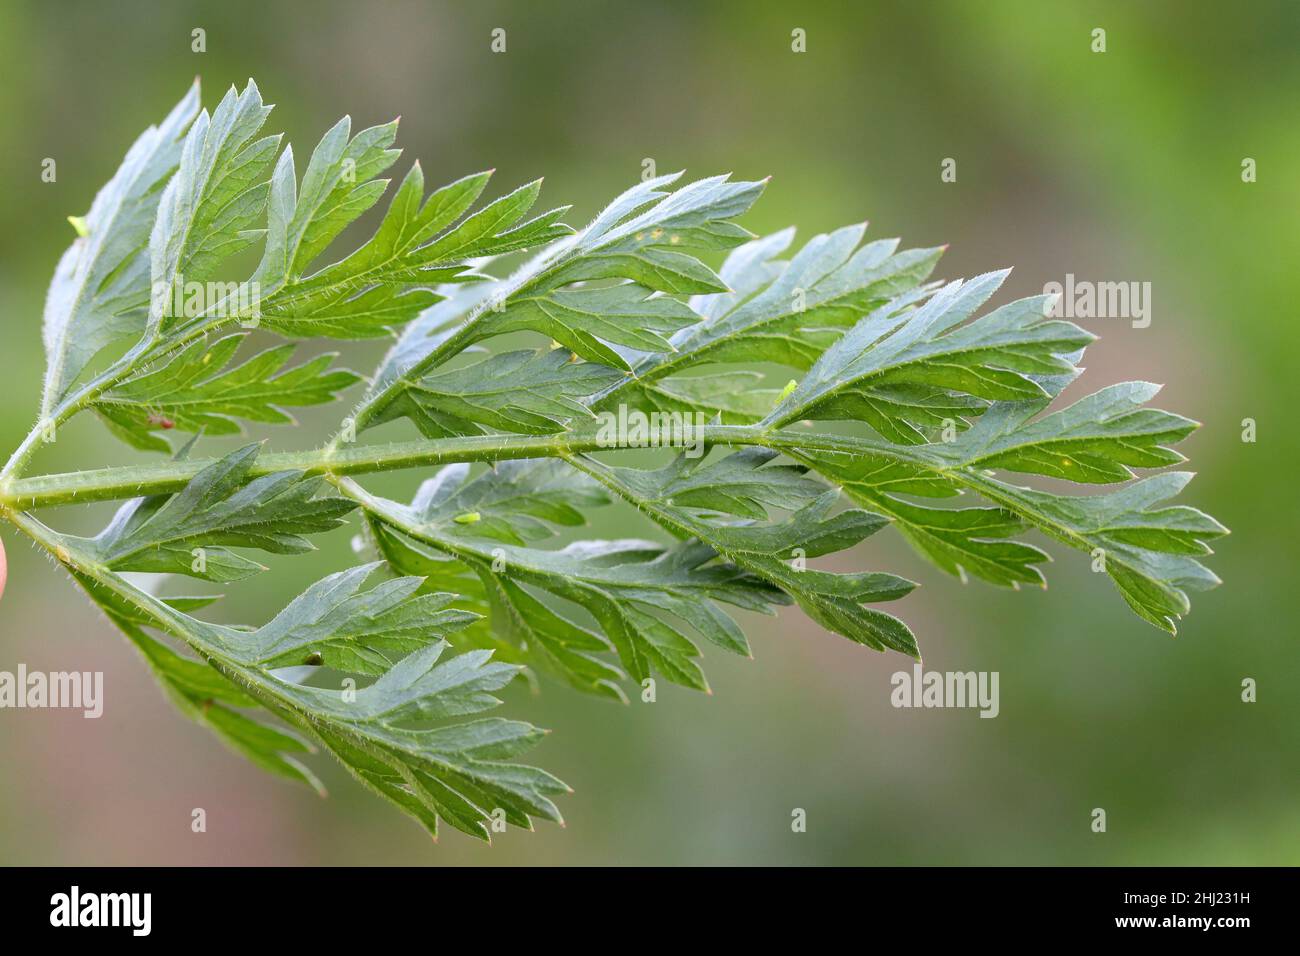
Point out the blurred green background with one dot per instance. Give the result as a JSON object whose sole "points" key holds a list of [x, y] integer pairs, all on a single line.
{"points": [[1120, 166]]}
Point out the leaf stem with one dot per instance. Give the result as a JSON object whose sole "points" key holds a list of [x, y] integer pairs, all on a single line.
{"points": [[128, 481], [105, 484]]}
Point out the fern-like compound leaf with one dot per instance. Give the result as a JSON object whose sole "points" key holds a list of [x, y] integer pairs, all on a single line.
{"points": [[766, 408]]}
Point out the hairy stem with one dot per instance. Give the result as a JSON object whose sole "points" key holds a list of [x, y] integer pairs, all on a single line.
{"points": [[129, 481]]}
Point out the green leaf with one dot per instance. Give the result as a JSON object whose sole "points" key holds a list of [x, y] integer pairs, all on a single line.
{"points": [[640, 236], [208, 208], [100, 290], [588, 320], [193, 531], [701, 500], [496, 228], [774, 312], [400, 735], [390, 279], [958, 540], [517, 502], [789, 313], [734, 396], [1146, 551], [1148, 554], [198, 390], [643, 599], [1096, 440], [637, 238], [336, 624], [531, 392], [337, 187], [992, 358]]}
